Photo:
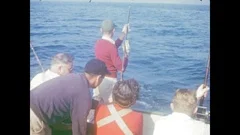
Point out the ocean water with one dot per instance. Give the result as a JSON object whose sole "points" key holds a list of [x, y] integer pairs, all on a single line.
{"points": [[169, 43]]}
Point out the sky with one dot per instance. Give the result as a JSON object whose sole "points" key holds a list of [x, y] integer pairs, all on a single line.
{"points": [[195, 2]]}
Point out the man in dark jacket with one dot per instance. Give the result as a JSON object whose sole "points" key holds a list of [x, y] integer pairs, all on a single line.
{"points": [[65, 97]]}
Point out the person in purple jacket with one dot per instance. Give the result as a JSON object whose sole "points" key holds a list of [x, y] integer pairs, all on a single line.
{"points": [[65, 97]]}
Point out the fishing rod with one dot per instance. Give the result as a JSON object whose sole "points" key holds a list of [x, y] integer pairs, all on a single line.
{"points": [[202, 113], [126, 43], [36, 56], [128, 21], [205, 79]]}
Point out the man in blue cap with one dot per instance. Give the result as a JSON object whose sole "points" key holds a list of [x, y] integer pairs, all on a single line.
{"points": [[65, 97]]}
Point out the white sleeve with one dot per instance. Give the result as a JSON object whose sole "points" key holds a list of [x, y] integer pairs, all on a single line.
{"points": [[37, 80]]}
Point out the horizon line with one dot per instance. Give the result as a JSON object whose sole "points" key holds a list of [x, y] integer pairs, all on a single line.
{"points": [[206, 4]]}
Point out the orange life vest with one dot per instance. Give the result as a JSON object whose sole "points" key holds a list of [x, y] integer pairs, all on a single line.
{"points": [[114, 120]]}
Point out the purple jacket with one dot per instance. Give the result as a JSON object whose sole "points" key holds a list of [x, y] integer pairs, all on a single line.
{"points": [[63, 97]]}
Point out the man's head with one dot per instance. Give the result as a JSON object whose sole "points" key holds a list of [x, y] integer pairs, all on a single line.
{"points": [[125, 93], [184, 101], [107, 27], [62, 63], [95, 71]]}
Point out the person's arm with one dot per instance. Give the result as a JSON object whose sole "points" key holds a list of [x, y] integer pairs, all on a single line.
{"points": [[118, 42], [94, 103], [122, 35], [79, 115], [36, 81], [201, 91], [117, 62]]}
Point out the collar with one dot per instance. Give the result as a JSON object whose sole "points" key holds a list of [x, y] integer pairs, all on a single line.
{"points": [[51, 73], [108, 39]]}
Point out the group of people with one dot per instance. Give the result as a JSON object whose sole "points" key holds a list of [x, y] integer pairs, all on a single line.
{"points": [[58, 94]]}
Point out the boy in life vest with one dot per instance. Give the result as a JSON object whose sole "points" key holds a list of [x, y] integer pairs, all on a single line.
{"points": [[117, 118]]}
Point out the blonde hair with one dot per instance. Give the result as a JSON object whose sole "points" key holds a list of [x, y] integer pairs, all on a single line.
{"points": [[184, 101]]}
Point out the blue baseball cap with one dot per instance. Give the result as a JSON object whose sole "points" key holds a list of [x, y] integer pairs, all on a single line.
{"points": [[96, 67]]}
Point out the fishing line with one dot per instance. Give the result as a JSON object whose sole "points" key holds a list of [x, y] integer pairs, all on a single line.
{"points": [[35, 54]]}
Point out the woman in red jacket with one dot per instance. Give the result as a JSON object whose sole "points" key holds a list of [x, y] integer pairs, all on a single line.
{"points": [[117, 118]]}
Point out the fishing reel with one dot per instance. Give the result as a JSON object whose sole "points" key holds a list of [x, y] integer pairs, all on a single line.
{"points": [[203, 115]]}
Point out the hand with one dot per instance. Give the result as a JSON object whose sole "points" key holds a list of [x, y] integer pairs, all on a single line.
{"points": [[125, 29], [202, 91], [101, 101], [90, 117]]}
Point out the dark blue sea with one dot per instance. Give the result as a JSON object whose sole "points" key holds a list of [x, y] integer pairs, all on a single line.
{"points": [[169, 43]]}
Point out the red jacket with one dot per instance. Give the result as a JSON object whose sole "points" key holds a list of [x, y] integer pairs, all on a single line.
{"points": [[108, 53], [133, 120]]}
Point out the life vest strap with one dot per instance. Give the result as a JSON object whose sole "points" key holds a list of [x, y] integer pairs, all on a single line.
{"points": [[116, 116]]}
